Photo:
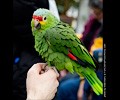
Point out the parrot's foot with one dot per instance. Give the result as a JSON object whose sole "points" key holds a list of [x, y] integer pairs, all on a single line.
{"points": [[46, 68], [52, 67]]}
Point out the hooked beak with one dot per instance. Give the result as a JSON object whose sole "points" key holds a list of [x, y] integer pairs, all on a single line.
{"points": [[38, 21], [37, 24]]}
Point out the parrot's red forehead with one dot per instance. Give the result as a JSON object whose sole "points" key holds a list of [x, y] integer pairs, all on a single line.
{"points": [[37, 17]]}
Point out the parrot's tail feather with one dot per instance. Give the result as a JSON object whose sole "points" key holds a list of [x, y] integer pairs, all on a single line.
{"points": [[95, 83], [97, 80]]}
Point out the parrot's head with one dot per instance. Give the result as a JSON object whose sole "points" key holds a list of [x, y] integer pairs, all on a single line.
{"points": [[43, 19]]}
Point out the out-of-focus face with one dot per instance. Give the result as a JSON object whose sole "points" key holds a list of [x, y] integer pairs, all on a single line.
{"points": [[98, 13]]}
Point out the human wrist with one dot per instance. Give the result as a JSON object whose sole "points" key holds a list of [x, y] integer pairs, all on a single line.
{"points": [[34, 96]]}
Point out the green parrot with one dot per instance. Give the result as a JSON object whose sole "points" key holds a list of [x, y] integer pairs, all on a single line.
{"points": [[59, 46]]}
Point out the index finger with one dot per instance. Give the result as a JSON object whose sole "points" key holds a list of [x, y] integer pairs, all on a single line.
{"points": [[37, 68]]}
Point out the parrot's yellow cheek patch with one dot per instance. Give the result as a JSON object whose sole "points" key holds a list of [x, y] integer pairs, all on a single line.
{"points": [[42, 22]]}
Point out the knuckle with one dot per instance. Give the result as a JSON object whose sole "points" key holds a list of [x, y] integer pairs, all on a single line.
{"points": [[30, 71]]}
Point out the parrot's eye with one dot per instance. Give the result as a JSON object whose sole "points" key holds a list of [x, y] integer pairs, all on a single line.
{"points": [[44, 18]]}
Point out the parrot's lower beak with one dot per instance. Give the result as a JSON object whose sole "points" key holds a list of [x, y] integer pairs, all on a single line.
{"points": [[37, 25]]}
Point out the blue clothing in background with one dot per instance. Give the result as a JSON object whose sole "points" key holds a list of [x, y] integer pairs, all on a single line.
{"points": [[68, 89]]}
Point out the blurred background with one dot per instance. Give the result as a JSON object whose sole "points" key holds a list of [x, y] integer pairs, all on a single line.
{"points": [[74, 12]]}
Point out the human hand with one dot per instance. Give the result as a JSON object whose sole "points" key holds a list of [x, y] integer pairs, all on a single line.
{"points": [[41, 86]]}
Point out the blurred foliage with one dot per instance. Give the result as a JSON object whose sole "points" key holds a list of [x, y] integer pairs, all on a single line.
{"points": [[64, 5]]}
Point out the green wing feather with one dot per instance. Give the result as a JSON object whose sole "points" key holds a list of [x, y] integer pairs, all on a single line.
{"points": [[62, 38]]}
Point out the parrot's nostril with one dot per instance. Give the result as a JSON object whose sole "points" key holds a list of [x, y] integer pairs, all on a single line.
{"points": [[38, 26]]}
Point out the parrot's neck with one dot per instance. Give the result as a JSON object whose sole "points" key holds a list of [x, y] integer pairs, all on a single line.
{"points": [[46, 27]]}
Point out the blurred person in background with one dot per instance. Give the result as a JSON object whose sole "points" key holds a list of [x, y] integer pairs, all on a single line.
{"points": [[94, 23]]}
